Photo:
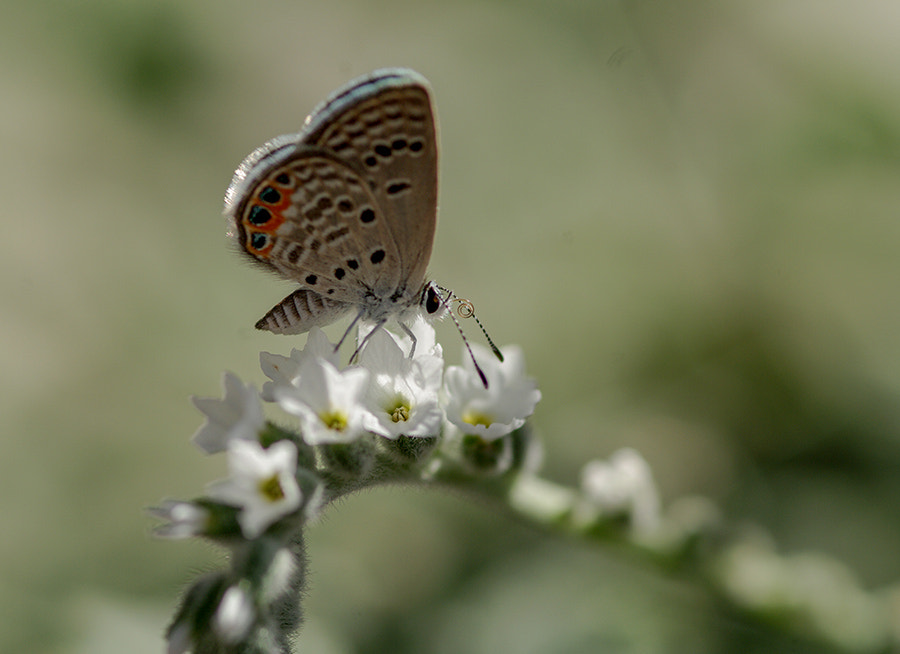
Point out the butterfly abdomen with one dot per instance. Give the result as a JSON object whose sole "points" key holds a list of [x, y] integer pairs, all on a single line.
{"points": [[301, 311]]}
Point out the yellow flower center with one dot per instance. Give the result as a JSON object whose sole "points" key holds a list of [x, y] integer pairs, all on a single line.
{"points": [[399, 411], [271, 489], [476, 418], [335, 420]]}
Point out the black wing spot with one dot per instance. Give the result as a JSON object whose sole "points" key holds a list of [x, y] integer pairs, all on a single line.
{"points": [[259, 215], [399, 144], [377, 256], [397, 187], [352, 264], [311, 280], [258, 240], [367, 215], [371, 161], [339, 273], [345, 205], [270, 195], [383, 150], [283, 178], [416, 146]]}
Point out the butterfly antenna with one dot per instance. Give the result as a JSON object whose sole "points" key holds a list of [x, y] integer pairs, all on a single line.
{"points": [[494, 348], [466, 310]]}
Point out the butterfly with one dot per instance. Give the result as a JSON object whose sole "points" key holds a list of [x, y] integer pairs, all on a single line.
{"points": [[347, 207]]}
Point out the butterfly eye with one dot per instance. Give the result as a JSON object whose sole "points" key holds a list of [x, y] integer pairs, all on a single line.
{"points": [[432, 301]]}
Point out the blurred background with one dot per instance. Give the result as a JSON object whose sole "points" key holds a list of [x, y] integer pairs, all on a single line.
{"points": [[686, 213]]}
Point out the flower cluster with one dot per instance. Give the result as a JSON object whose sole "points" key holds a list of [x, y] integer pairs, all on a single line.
{"points": [[395, 414], [396, 391]]}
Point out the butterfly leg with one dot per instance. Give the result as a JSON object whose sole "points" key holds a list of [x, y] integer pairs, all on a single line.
{"points": [[347, 333], [412, 337], [378, 325]]}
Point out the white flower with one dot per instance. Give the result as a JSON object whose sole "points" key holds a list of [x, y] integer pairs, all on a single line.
{"points": [[328, 402], [284, 370], [262, 484], [426, 339], [234, 616], [237, 417], [497, 410], [422, 331], [185, 519], [277, 580], [403, 394], [623, 483]]}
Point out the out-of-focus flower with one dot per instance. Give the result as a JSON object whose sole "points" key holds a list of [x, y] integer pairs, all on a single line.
{"points": [[283, 371], [238, 416], [623, 483]]}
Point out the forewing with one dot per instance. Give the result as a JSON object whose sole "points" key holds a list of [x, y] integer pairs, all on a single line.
{"points": [[384, 125]]}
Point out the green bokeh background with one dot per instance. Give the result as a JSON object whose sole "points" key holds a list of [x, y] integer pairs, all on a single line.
{"points": [[686, 213]]}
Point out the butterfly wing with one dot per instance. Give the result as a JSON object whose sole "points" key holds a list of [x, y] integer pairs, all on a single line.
{"points": [[314, 220], [384, 125], [348, 206]]}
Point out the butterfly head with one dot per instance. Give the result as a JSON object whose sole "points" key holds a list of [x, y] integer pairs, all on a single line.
{"points": [[432, 302]]}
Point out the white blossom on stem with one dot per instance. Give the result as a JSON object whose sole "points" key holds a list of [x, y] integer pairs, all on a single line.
{"points": [[622, 483], [403, 393], [262, 484], [328, 401], [183, 519], [283, 371], [500, 408], [238, 416]]}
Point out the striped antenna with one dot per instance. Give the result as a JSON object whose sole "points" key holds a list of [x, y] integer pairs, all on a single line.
{"points": [[465, 309]]}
